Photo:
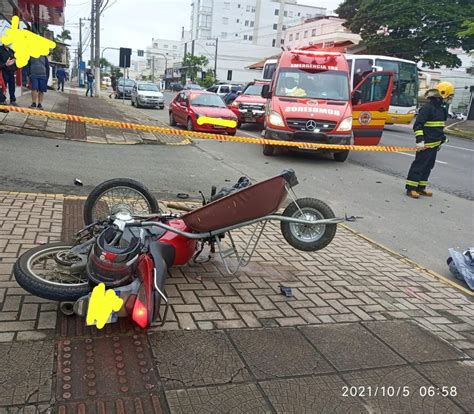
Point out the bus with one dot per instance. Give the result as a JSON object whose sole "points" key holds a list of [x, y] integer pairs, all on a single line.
{"points": [[405, 88], [406, 83]]}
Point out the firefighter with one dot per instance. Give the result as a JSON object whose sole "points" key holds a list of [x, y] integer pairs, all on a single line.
{"points": [[429, 132]]}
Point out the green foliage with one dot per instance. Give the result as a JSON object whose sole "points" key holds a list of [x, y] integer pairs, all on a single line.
{"points": [[65, 35], [194, 64], [104, 63], [208, 80], [414, 29], [469, 29]]}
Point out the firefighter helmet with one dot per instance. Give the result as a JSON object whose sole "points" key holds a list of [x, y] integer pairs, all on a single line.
{"points": [[433, 93], [446, 89]]}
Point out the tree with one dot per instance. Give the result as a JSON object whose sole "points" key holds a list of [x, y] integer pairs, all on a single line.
{"points": [[208, 80], [104, 63], [414, 30], [65, 35], [194, 64]]}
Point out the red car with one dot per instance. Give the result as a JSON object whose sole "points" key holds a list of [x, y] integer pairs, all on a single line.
{"points": [[249, 106], [189, 105]]}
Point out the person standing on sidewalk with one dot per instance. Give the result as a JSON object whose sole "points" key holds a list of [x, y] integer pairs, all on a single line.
{"points": [[113, 81], [61, 77], [38, 68], [90, 82], [429, 132], [8, 67]]}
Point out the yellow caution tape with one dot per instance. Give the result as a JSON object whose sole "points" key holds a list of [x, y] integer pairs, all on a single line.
{"points": [[204, 135]]}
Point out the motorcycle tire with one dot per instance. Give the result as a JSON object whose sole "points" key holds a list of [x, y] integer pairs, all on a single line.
{"points": [[313, 209], [98, 191], [42, 288]]}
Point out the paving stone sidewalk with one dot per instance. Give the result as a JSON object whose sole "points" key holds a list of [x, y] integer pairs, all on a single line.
{"points": [[359, 317], [73, 102]]}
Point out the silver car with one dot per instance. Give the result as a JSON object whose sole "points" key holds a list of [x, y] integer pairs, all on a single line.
{"points": [[147, 94]]}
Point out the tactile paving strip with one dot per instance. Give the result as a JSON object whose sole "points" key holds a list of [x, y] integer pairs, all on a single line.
{"points": [[103, 368]]}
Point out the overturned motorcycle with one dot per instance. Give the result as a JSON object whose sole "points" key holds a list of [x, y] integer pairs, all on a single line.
{"points": [[129, 244]]}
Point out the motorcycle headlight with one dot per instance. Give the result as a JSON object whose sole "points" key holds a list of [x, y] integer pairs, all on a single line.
{"points": [[274, 118], [345, 125]]}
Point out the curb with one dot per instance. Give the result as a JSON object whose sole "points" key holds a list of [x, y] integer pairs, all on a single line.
{"points": [[411, 262], [461, 133]]}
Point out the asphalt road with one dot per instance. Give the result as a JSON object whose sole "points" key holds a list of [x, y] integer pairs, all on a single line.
{"points": [[368, 184]]}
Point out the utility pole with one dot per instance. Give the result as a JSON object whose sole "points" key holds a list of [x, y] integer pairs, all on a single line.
{"points": [[97, 47], [92, 32], [215, 59], [153, 68], [79, 51]]}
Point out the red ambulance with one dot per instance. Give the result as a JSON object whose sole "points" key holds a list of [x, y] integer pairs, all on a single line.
{"points": [[310, 100]]}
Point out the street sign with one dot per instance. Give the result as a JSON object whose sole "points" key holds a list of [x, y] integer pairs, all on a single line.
{"points": [[141, 52], [125, 55]]}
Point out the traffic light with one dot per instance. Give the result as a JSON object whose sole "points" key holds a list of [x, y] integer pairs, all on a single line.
{"points": [[125, 55]]}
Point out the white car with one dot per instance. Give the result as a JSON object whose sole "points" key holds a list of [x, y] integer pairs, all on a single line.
{"points": [[223, 89], [147, 94]]}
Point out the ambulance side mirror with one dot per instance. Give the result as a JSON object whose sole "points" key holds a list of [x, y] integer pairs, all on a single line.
{"points": [[356, 97], [266, 92]]}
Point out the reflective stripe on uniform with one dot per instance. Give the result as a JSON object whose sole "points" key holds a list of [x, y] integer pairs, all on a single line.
{"points": [[423, 183], [432, 144], [434, 124], [419, 133], [412, 183]]}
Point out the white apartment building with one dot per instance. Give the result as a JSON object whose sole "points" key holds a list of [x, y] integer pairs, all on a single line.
{"points": [[258, 22], [163, 53], [319, 30]]}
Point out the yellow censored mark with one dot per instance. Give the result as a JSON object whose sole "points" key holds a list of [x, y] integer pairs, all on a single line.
{"points": [[229, 123], [204, 135], [26, 44], [101, 305]]}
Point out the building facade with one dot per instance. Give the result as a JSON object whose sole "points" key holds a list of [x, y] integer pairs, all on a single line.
{"points": [[162, 54]]}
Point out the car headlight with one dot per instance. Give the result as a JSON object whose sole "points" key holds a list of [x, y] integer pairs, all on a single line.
{"points": [[274, 118], [345, 125]]}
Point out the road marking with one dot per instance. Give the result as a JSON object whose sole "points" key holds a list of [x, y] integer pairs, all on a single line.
{"points": [[413, 155], [461, 148]]}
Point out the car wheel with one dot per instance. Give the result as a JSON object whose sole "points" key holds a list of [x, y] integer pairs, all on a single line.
{"points": [[172, 120], [162, 107], [189, 125], [341, 156], [131, 101], [232, 133]]}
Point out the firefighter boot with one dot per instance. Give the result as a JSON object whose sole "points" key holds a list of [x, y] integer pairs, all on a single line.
{"points": [[413, 194], [426, 193]]}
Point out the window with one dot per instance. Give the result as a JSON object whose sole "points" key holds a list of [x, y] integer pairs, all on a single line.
{"points": [[362, 68], [253, 9], [238, 20], [238, 6], [275, 26], [277, 12], [250, 37], [285, 13], [305, 34], [299, 14], [375, 89], [246, 22], [283, 27], [274, 42], [297, 36], [229, 78], [282, 41], [247, 9], [313, 32], [165, 46], [223, 34], [225, 20], [226, 5], [291, 37], [226, 89], [252, 23], [245, 37]]}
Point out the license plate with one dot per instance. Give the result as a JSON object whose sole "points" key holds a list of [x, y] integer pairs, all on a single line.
{"points": [[112, 319], [219, 127], [250, 120]]}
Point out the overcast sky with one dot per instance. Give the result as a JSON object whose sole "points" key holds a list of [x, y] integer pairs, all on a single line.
{"points": [[134, 23]]}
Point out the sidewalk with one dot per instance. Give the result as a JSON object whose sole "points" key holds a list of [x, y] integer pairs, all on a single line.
{"points": [[73, 102], [359, 316], [463, 129]]}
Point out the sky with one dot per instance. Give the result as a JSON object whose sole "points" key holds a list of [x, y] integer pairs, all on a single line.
{"points": [[134, 24]]}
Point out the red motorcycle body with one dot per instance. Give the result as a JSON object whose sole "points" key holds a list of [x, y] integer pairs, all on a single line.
{"points": [[184, 247]]}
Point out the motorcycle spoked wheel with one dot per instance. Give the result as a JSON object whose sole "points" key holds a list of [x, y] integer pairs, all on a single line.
{"points": [[119, 194], [44, 271], [308, 237]]}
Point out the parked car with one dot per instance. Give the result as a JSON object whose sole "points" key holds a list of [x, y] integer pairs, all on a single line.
{"points": [[188, 106], [223, 89], [249, 106], [147, 94], [192, 87], [124, 88], [176, 87]]}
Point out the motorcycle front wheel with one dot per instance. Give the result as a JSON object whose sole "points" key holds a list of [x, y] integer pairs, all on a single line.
{"points": [[308, 237], [118, 194], [46, 271]]}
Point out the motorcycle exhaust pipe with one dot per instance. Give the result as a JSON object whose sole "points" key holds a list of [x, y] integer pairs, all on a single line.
{"points": [[67, 308]]}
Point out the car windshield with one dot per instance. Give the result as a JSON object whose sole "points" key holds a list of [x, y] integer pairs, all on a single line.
{"points": [[316, 84], [197, 87], [126, 82], [148, 87], [207, 99], [253, 89]]}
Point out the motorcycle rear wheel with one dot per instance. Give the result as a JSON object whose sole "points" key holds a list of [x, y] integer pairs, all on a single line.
{"points": [[111, 195], [308, 237], [43, 271]]}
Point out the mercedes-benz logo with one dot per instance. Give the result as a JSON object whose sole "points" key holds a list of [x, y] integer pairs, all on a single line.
{"points": [[311, 125]]}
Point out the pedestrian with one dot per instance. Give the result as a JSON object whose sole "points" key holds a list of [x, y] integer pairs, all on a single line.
{"points": [[38, 68], [90, 82], [8, 67], [3, 90], [429, 132], [232, 95], [61, 77], [113, 81]]}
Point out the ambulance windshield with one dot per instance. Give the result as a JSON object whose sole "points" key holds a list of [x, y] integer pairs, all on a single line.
{"points": [[328, 84]]}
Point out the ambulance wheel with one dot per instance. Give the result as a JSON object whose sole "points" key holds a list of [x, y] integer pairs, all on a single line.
{"points": [[268, 149], [341, 156]]}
